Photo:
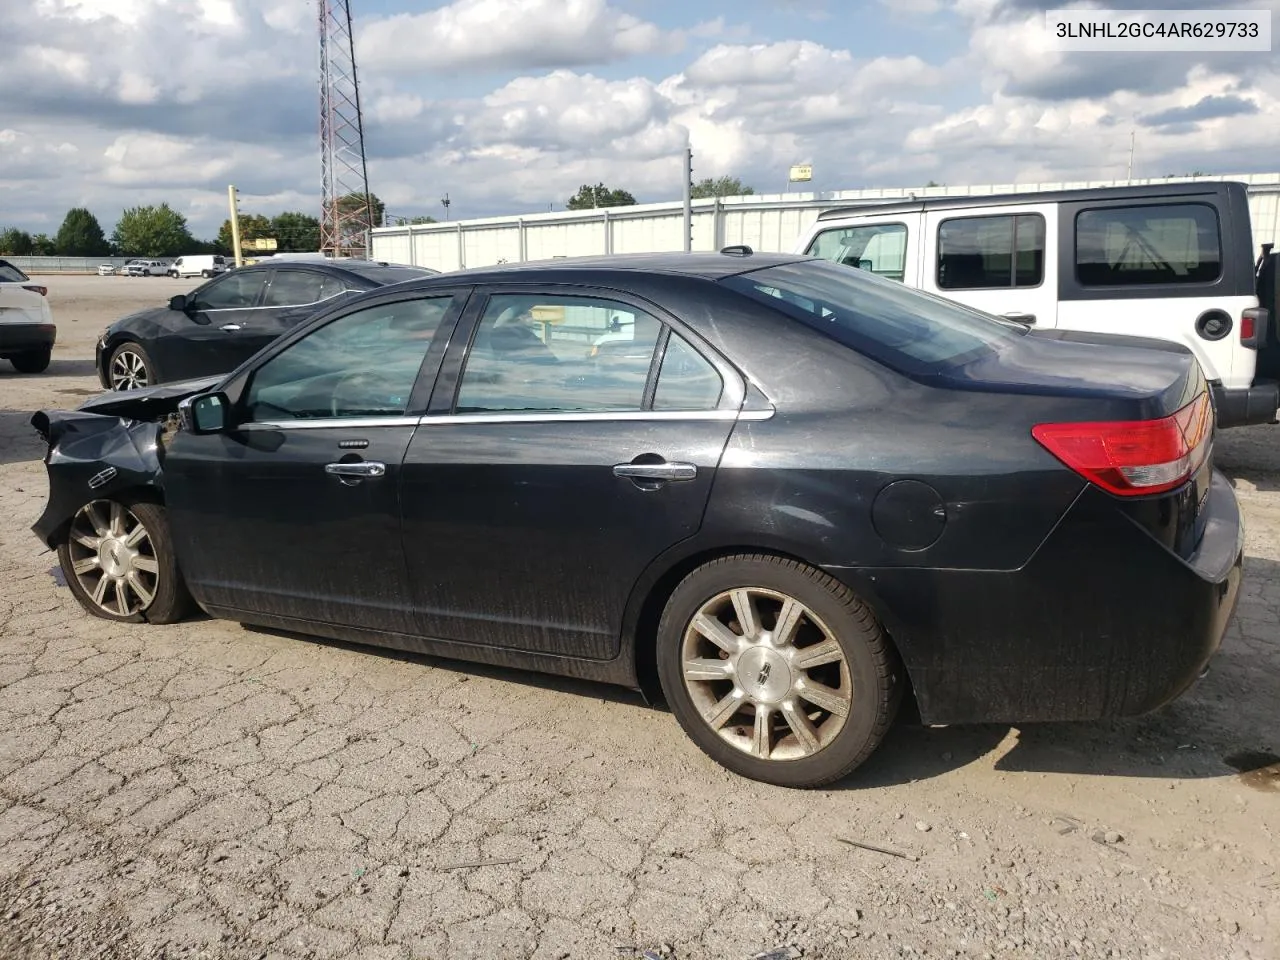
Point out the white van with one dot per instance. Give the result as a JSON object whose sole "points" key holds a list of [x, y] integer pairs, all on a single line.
{"points": [[199, 265], [1170, 261]]}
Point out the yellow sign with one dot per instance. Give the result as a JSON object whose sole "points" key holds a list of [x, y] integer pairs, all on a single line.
{"points": [[548, 314], [261, 243], [801, 172]]}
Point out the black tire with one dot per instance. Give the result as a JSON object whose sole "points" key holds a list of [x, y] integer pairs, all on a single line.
{"points": [[143, 363], [171, 601], [206, 274], [873, 668], [173, 274], [36, 361]]}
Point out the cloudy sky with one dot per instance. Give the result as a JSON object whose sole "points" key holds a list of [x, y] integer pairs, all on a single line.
{"points": [[509, 105]]}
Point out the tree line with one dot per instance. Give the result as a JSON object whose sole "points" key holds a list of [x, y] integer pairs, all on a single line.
{"points": [[161, 231], [591, 197]]}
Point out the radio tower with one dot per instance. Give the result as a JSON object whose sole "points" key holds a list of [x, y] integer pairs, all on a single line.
{"points": [[346, 212]]}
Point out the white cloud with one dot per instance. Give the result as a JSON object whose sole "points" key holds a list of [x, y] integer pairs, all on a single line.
{"points": [[147, 100], [508, 35]]}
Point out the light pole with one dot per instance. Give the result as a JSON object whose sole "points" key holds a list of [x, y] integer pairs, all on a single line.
{"points": [[444, 201]]}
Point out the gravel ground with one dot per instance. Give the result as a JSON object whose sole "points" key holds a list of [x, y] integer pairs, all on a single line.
{"points": [[204, 790]]}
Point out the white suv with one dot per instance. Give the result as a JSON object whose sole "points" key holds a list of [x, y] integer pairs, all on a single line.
{"points": [[27, 332], [145, 268]]}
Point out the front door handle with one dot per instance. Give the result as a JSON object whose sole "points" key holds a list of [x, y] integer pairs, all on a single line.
{"points": [[231, 327], [363, 469], [656, 471], [1028, 318]]}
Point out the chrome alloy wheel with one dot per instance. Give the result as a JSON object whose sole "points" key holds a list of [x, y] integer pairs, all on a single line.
{"points": [[112, 558], [128, 371], [766, 674]]}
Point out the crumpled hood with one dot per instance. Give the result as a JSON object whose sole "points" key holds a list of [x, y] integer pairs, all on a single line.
{"points": [[148, 403]]}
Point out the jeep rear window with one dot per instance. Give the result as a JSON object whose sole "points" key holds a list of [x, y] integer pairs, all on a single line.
{"points": [[1148, 244], [900, 326]]}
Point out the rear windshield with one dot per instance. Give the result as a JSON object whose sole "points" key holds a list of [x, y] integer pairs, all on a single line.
{"points": [[902, 327], [11, 274], [380, 273]]}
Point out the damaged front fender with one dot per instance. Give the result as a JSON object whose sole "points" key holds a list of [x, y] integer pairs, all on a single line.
{"points": [[93, 456]]}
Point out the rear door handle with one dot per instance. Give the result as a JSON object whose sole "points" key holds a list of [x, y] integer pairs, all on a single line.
{"points": [[361, 468], [656, 471], [231, 327], [1028, 318]]}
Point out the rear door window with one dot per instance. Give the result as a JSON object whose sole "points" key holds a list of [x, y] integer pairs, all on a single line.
{"points": [[990, 253], [1149, 244], [291, 288], [879, 248], [557, 353]]}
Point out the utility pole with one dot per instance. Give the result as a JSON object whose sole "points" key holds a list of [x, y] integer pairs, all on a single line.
{"points": [[1129, 173], [233, 196], [346, 208], [444, 202], [688, 199]]}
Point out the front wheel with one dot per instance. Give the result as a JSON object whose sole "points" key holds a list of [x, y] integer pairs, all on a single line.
{"points": [[776, 670], [206, 274], [118, 560], [130, 368], [36, 361]]}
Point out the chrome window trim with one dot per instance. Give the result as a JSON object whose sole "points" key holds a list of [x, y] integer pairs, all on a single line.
{"points": [[438, 420]]}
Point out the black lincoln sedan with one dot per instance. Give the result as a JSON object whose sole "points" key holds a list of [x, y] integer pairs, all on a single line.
{"points": [[796, 496], [222, 323]]}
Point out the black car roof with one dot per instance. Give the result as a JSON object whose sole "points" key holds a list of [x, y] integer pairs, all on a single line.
{"points": [[1149, 191], [367, 270], [709, 266]]}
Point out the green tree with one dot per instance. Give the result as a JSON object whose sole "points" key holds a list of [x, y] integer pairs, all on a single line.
{"points": [[414, 221], [934, 183], [81, 235], [720, 187], [155, 231], [589, 197], [296, 232], [16, 243], [253, 226], [43, 245], [353, 203]]}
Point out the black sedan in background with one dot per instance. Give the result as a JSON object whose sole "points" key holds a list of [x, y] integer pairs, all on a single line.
{"points": [[795, 496], [222, 323]]}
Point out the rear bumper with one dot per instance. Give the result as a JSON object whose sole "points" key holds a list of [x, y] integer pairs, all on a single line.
{"points": [[1103, 621], [1242, 406], [26, 337]]}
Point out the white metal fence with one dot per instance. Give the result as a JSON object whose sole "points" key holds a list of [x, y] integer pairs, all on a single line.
{"points": [[766, 223], [38, 265]]}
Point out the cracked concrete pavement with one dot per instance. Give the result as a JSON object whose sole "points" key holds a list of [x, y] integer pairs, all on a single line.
{"points": [[208, 790]]}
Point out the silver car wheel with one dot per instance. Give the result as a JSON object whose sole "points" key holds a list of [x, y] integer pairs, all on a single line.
{"points": [[766, 674], [128, 371], [113, 558]]}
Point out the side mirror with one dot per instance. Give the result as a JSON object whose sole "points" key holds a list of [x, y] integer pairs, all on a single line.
{"points": [[206, 413], [178, 303]]}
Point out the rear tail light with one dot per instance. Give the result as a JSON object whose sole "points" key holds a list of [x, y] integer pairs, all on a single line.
{"points": [[43, 291], [1134, 457], [1253, 327]]}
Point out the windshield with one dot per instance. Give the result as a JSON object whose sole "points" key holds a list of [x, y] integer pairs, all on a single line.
{"points": [[381, 273], [904, 328]]}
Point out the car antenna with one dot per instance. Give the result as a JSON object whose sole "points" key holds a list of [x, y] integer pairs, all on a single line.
{"points": [[737, 250]]}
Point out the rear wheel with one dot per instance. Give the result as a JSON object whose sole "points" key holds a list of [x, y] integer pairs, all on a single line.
{"points": [[35, 361], [776, 670], [130, 368], [206, 274], [119, 562]]}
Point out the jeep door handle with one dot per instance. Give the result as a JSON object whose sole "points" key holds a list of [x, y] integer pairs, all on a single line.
{"points": [[656, 471], [361, 468]]}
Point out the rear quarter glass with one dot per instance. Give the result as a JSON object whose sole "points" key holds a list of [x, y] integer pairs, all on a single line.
{"points": [[906, 329]]}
